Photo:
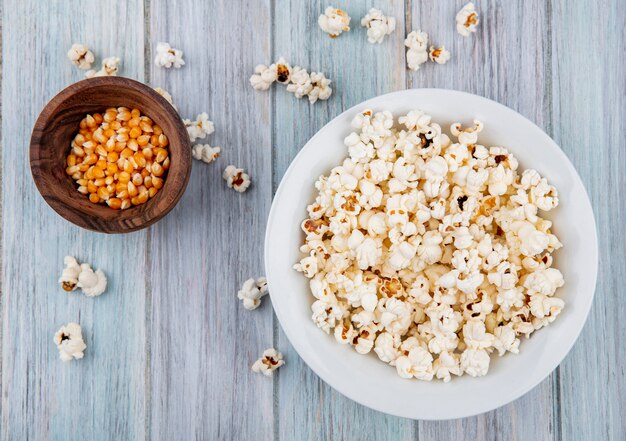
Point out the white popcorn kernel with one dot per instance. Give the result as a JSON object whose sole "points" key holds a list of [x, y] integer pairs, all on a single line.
{"points": [[236, 178], [110, 67], [334, 21], [69, 276], [345, 333], [378, 25], [447, 363], [468, 135], [467, 20], [251, 293], [93, 283], [80, 56], [269, 362], [300, 84], [506, 340], [263, 77], [205, 153], [283, 71], [475, 335], [475, 362], [168, 57], [200, 128], [532, 241], [543, 281], [165, 94], [418, 364], [69, 342], [386, 347], [417, 49], [320, 87], [543, 306], [439, 55]]}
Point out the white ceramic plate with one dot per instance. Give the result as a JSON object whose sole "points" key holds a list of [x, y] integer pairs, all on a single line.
{"points": [[366, 379]]}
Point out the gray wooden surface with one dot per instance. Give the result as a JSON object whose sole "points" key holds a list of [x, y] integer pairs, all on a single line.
{"points": [[169, 345]]}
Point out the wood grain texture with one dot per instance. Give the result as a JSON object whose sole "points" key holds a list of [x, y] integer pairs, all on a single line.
{"points": [[306, 408], [589, 107], [102, 396], [506, 55], [56, 127], [203, 341]]}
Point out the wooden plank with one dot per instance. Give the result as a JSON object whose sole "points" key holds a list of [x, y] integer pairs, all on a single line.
{"points": [[307, 408], [203, 340], [103, 395], [588, 86], [506, 55]]}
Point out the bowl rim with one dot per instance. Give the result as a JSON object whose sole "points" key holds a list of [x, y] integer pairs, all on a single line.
{"points": [[287, 324], [107, 226]]}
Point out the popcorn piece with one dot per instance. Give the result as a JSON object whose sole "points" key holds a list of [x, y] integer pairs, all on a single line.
{"points": [[269, 362], [251, 293], [334, 21], [378, 25], [320, 87], [417, 52], [93, 283], [205, 153], [439, 55], [300, 84], [81, 56], [467, 20], [200, 128], [283, 71], [236, 178], [263, 77], [69, 277], [165, 94], [167, 56], [69, 341], [431, 253], [110, 67]]}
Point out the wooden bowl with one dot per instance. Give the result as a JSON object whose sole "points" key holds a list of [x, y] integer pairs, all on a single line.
{"points": [[59, 122]]}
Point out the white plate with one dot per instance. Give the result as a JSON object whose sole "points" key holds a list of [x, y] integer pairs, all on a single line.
{"points": [[366, 379]]}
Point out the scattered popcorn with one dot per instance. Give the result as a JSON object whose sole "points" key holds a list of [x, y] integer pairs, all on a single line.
{"points": [[269, 362], [251, 293], [320, 87], [110, 67], [430, 252], [167, 56], [165, 94], [236, 178], [378, 25], [81, 56], [263, 77], [206, 153], [93, 283], [334, 21], [69, 341], [200, 128], [69, 277], [439, 55], [300, 84], [417, 52], [467, 20]]}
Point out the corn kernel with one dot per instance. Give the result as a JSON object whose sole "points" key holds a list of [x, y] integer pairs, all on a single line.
{"points": [[143, 197], [166, 164], [157, 182], [137, 179], [152, 191], [124, 177], [163, 141], [91, 187], [115, 203], [140, 159], [143, 140], [157, 129], [103, 193], [147, 152], [125, 204], [82, 189], [132, 189], [135, 132], [157, 169], [161, 154], [101, 163], [90, 121], [94, 198]]}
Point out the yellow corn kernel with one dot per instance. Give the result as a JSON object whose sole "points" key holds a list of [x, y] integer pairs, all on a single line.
{"points": [[132, 189], [163, 141], [108, 180], [98, 136], [102, 163], [126, 153], [147, 181], [103, 193], [82, 189], [111, 170], [111, 188], [157, 182], [160, 154], [123, 115], [143, 140], [146, 127], [113, 156], [89, 145], [98, 172], [110, 144], [94, 198], [125, 204], [134, 122], [90, 159], [82, 182], [124, 177], [136, 113], [72, 169], [115, 125], [129, 165], [99, 182], [89, 173], [152, 191], [147, 152], [101, 150], [157, 169], [114, 203], [78, 151], [122, 137], [132, 144], [137, 179], [119, 146], [110, 115], [90, 121], [143, 197], [140, 159], [122, 194], [135, 132], [98, 117], [83, 167], [157, 129], [76, 176], [154, 140], [91, 187]]}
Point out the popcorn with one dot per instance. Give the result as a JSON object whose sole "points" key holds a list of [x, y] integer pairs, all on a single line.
{"points": [[69, 277], [93, 283], [251, 293], [110, 67], [167, 56], [378, 25], [81, 56], [200, 128], [69, 342], [236, 178], [269, 362], [165, 94], [334, 21], [430, 252], [467, 20], [417, 52], [300, 84], [205, 153], [320, 87], [439, 55], [263, 77]]}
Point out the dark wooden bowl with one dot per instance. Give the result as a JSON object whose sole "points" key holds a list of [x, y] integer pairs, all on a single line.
{"points": [[58, 124]]}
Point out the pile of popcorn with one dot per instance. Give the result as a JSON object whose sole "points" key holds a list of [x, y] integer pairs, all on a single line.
{"points": [[431, 253]]}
